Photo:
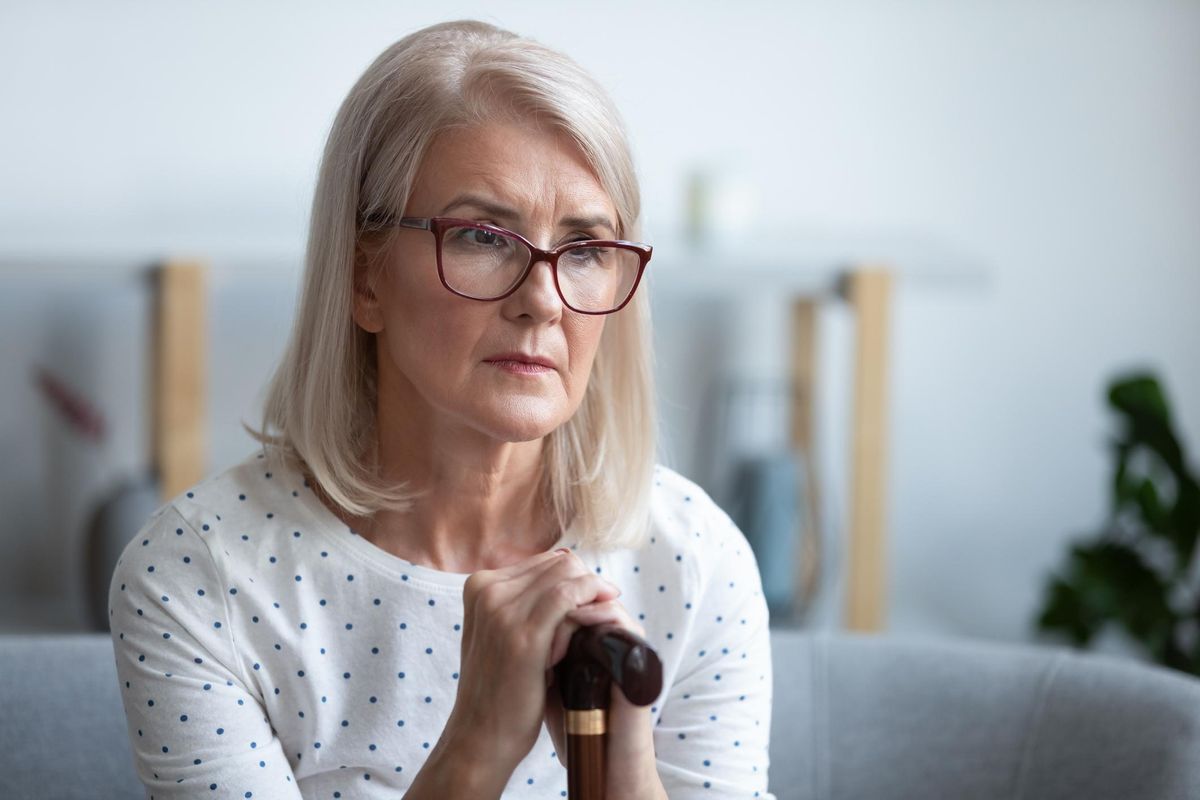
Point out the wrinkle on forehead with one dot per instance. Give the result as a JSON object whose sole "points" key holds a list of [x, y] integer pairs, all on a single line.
{"points": [[539, 171]]}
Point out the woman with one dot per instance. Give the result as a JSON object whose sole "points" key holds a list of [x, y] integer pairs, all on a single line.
{"points": [[462, 475]]}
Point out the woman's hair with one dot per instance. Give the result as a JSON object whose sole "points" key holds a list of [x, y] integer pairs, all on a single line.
{"points": [[597, 468]]}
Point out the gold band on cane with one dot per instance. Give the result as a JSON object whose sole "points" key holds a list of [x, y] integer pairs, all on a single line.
{"points": [[586, 723]]}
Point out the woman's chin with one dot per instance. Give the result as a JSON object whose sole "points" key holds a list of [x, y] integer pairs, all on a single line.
{"points": [[523, 427]]}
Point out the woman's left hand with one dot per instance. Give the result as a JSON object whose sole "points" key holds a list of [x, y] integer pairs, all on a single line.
{"points": [[631, 770]]}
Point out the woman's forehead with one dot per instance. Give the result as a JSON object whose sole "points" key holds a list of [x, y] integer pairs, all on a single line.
{"points": [[511, 170]]}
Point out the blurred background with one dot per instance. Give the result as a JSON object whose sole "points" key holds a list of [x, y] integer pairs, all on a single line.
{"points": [[902, 252]]}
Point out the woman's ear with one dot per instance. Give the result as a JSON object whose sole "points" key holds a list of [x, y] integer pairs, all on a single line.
{"points": [[367, 313]]}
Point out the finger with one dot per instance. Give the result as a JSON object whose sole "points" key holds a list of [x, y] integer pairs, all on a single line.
{"points": [[512, 580], [526, 566], [609, 611], [549, 599]]}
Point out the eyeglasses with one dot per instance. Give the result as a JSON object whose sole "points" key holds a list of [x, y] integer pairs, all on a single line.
{"points": [[479, 261]]}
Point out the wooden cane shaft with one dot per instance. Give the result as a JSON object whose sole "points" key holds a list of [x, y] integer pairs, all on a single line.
{"points": [[585, 766]]}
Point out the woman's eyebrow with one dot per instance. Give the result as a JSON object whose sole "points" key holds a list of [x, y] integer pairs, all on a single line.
{"points": [[489, 207], [510, 215], [596, 221]]}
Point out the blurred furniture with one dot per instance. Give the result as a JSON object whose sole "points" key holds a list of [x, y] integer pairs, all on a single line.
{"points": [[180, 438], [861, 716], [855, 717], [178, 356], [813, 271]]}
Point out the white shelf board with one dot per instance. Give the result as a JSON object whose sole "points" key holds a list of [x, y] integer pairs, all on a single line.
{"points": [[810, 262], [815, 263]]}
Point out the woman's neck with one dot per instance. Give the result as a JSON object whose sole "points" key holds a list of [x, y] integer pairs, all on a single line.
{"points": [[460, 526]]}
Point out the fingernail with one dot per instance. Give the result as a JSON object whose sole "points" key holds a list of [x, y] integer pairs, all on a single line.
{"points": [[563, 550]]}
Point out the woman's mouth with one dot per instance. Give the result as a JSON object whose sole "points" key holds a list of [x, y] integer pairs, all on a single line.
{"points": [[520, 367]]}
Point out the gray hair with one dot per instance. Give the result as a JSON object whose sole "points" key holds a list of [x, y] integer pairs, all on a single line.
{"points": [[598, 466]]}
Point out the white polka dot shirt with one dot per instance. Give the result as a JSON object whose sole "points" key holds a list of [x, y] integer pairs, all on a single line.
{"points": [[265, 650]]}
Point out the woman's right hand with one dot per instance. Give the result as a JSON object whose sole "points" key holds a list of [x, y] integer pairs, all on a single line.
{"points": [[515, 629]]}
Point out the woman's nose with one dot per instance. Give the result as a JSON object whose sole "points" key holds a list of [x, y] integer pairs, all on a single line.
{"points": [[538, 292]]}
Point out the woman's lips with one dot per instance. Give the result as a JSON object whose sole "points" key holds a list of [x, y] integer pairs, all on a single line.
{"points": [[520, 367]]}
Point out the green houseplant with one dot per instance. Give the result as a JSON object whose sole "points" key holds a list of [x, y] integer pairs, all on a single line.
{"points": [[1139, 573]]}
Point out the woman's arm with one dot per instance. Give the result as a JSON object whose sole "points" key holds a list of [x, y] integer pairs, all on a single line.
{"points": [[711, 739], [196, 723]]}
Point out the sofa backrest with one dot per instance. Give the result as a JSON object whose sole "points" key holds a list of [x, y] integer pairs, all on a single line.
{"points": [[62, 725], [859, 716], [855, 717]]}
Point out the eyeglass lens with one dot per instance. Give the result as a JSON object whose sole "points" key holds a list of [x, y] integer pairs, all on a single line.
{"points": [[485, 265]]}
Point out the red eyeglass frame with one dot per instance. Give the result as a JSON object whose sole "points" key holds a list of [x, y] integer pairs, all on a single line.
{"points": [[438, 225]]}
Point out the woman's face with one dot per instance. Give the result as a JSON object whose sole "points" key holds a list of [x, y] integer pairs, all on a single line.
{"points": [[434, 346]]}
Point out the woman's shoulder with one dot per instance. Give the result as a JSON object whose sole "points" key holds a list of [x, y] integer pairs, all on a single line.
{"points": [[687, 520], [679, 503], [259, 488]]}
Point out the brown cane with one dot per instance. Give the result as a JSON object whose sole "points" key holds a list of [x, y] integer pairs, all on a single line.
{"points": [[597, 656]]}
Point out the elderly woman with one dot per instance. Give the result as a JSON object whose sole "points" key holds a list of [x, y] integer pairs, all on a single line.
{"points": [[462, 473]]}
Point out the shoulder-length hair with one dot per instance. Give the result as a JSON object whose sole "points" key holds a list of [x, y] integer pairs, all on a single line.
{"points": [[597, 468]]}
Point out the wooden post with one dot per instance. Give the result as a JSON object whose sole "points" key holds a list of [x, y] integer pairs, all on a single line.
{"points": [[869, 291], [179, 372]]}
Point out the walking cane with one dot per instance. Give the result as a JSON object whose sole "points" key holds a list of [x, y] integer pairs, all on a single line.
{"points": [[597, 656]]}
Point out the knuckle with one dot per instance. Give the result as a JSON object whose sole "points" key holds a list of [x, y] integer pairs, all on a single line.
{"points": [[563, 594], [475, 583], [487, 597]]}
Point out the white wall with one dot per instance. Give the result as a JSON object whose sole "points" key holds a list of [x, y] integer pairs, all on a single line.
{"points": [[1055, 143]]}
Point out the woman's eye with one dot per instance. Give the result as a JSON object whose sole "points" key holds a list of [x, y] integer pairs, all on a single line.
{"points": [[587, 256], [477, 236]]}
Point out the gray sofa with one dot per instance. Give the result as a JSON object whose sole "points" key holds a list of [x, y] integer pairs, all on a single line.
{"points": [[856, 717]]}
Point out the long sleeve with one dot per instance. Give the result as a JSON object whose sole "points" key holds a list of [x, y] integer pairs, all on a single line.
{"points": [[198, 728], [712, 738]]}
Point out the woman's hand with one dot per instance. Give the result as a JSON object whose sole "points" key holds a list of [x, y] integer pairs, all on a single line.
{"points": [[631, 770], [511, 619]]}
